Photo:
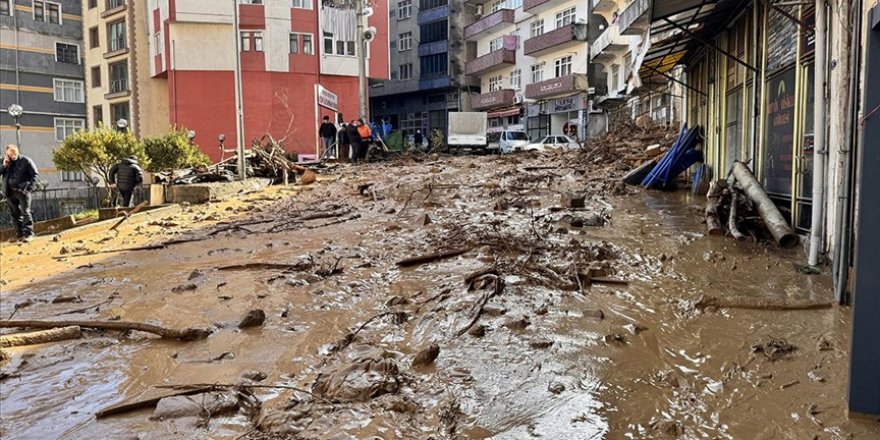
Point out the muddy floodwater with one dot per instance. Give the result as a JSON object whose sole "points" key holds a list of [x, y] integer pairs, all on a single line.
{"points": [[620, 319]]}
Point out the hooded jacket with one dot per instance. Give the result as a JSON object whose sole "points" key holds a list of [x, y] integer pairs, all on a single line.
{"points": [[20, 175], [126, 174]]}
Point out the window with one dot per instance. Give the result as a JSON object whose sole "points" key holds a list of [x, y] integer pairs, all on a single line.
{"points": [[537, 28], [294, 43], [66, 53], [404, 41], [116, 36], [119, 111], [433, 66], [495, 83], [251, 2], [5, 8], [251, 41], [405, 71], [308, 46], [565, 18], [537, 73], [563, 66], [615, 74], [113, 4], [68, 90], [301, 4], [47, 12], [98, 115], [435, 31], [424, 5], [328, 43], [513, 4], [93, 38], [93, 4], [496, 44], [341, 47], [96, 76], [404, 9], [515, 79], [499, 5], [72, 176], [65, 127], [119, 77]]}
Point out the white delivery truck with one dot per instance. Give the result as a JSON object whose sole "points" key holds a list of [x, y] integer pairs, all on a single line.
{"points": [[467, 130]]}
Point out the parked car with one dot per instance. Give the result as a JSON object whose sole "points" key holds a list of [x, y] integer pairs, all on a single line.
{"points": [[506, 141], [553, 142]]}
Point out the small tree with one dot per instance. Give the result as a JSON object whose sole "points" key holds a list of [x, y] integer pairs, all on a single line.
{"points": [[95, 152], [173, 151]]}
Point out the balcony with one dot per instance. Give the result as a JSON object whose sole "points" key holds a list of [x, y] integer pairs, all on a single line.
{"points": [[604, 7], [433, 14], [498, 98], [113, 7], [609, 45], [433, 48], [635, 20], [566, 36], [490, 61], [538, 6], [551, 88], [488, 23]]}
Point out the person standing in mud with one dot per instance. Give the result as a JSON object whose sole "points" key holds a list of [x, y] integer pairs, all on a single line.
{"points": [[418, 139], [343, 142], [328, 134], [366, 136], [19, 176], [126, 175], [354, 139]]}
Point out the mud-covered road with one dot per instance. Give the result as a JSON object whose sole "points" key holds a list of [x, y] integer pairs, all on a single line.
{"points": [[615, 320]]}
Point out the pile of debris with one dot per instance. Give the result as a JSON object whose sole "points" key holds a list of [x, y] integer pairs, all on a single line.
{"points": [[627, 146], [740, 206], [266, 158]]}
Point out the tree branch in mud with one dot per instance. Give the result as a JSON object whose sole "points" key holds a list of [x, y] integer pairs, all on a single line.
{"points": [[349, 338], [186, 334], [762, 303], [267, 266], [212, 386], [40, 337], [144, 403], [481, 304], [422, 259]]}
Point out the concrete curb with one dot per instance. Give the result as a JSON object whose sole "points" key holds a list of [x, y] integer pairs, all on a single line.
{"points": [[104, 225]]}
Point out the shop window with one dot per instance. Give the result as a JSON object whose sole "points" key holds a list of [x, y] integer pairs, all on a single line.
{"points": [[733, 128]]}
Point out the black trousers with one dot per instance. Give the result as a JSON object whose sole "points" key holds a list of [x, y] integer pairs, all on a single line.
{"points": [[126, 196], [20, 208]]}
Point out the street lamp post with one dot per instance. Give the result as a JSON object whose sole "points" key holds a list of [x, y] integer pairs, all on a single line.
{"points": [[15, 111], [122, 124]]}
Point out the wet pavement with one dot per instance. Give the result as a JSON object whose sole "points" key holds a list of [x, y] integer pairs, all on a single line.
{"points": [[534, 341]]}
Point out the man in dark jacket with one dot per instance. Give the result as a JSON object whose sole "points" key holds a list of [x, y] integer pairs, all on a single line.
{"points": [[342, 135], [418, 139], [354, 138], [19, 175], [126, 175], [328, 133]]}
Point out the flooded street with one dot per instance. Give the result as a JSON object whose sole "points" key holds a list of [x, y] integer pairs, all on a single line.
{"points": [[620, 319]]}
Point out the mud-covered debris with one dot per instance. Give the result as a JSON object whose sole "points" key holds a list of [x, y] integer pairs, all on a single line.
{"points": [[615, 339], [254, 375], [670, 427], [815, 376], [195, 274], [542, 310], [556, 388], [196, 405], [571, 200], [360, 380], [517, 323], [540, 343], [634, 329], [494, 311], [398, 404], [396, 301], [253, 318], [594, 314], [426, 356], [478, 331], [424, 220], [61, 299], [824, 344], [774, 349], [184, 288]]}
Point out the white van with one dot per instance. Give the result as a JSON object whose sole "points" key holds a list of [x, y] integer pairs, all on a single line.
{"points": [[507, 140]]}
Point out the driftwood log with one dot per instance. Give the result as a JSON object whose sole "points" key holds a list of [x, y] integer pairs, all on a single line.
{"points": [[186, 334], [415, 261], [713, 223], [734, 199], [40, 337], [776, 223]]}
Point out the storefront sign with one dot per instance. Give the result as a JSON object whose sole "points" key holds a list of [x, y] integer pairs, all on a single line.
{"points": [[779, 135], [570, 104], [809, 34], [327, 98]]}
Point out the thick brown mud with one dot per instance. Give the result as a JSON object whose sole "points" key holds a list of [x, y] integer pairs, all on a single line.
{"points": [[533, 340]]}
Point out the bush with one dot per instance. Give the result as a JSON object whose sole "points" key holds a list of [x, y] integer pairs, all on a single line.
{"points": [[173, 151], [94, 152]]}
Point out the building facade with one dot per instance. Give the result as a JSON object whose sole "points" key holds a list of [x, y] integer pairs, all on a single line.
{"points": [[41, 70], [168, 64], [427, 53]]}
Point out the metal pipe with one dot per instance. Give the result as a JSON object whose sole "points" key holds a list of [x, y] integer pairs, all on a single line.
{"points": [[841, 249], [239, 99], [362, 60], [819, 152]]}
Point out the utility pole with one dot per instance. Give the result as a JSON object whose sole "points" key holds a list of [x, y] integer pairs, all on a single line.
{"points": [[362, 59], [239, 100]]}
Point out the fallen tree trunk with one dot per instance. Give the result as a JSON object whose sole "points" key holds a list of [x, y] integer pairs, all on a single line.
{"points": [[779, 228], [186, 334], [414, 261], [731, 221], [41, 337], [763, 303], [713, 223]]}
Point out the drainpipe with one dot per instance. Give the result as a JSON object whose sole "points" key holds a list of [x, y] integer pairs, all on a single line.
{"points": [[819, 152]]}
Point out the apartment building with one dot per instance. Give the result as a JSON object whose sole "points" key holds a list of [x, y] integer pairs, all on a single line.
{"points": [[427, 78], [41, 71], [531, 60], [159, 64]]}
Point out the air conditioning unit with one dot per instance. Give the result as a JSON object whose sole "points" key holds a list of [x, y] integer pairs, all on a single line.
{"points": [[518, 98]]}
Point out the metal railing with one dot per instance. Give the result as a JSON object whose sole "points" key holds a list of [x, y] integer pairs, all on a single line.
{"points": [[119, 85], [48, 204], [117, 44], [113, 4], [632, 13]]}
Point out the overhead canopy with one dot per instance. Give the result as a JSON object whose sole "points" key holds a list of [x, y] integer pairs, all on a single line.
{"points": [[681, 27]]}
